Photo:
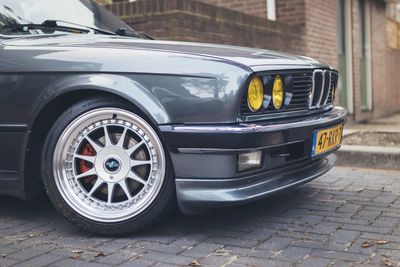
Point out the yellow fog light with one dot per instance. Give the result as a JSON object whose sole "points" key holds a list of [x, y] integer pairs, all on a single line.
{"points": [[255, 94], [278, 92]]}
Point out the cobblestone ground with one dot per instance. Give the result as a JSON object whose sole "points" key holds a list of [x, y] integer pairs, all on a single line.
{"points": [[349, 217]]}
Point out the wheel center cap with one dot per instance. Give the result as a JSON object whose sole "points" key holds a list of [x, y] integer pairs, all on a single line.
{"points": [[112, 165]]}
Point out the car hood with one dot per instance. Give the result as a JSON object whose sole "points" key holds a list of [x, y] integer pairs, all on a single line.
{"points": [[251, 58]]}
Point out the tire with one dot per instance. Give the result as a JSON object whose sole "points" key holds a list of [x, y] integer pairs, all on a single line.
{"points": [[106, 169]]}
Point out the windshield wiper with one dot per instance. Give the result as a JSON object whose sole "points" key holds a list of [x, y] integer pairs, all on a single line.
{"points": [[46, 27], [50, 26], [94, 29]]}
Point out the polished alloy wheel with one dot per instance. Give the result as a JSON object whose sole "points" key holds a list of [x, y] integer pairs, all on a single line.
{"points": [[109, 165]]}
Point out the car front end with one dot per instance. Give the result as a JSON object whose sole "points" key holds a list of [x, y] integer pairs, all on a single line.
{"points": [[285, 141]]}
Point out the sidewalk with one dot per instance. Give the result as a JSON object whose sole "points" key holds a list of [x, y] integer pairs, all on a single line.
{"points": [[375, 144], [389, 124]]}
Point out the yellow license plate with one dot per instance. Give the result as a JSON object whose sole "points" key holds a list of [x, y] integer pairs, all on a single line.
{"points": [[327, 139]]}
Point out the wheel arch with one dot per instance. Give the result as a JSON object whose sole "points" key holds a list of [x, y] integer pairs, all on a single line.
{"points": [[56, 100]]}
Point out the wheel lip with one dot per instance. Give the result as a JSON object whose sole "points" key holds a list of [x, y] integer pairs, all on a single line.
{"points": [[61, 176]]}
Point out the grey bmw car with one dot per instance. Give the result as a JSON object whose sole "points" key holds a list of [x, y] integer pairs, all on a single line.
{"points": [[117, 127]]}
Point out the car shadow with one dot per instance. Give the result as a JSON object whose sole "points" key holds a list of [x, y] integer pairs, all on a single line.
{"points": [[38, 216]]}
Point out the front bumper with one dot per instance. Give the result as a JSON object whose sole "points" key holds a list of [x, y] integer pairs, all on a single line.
{"points": [[205, 159]]}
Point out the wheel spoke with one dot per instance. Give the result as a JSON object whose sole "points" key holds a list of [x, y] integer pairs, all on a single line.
{"points": [[86, 174], [95, 146], [122, 138], [110, 191], [135, 177], [134, 148], [124, 187], [135, 163], [96, 186], [107, 139], [85, 158]]}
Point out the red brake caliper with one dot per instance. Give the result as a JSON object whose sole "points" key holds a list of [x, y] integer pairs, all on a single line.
{"points": [[85, 166]]}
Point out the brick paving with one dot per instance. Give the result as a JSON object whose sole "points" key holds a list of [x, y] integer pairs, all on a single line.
{"points": [[349, 217]]}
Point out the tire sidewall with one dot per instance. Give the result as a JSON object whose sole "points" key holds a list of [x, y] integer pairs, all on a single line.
{"points": [[154, 211]]}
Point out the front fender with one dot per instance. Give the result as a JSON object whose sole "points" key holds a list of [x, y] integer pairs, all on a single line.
{"points": [[111, 83]]}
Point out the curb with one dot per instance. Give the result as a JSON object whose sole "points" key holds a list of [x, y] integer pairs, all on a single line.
{"points": [[373, 157]]}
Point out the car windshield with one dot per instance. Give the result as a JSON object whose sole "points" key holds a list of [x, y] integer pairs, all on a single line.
{"points": [[68, 13]]}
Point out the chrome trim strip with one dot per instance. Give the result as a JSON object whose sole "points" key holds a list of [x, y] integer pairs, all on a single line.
{"points": [[227, 151], [318, 104], [311, 97], [286, 114], [330, 88], [336, 114], [314, 88], [14, 127]]}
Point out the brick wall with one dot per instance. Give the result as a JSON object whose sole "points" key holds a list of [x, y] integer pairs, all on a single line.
{"points": [[359, 114], [321, 30], [104, 2], [385, 66], [298, 20], [252, 7], [319, 21], [291, 12], [188, 20]]}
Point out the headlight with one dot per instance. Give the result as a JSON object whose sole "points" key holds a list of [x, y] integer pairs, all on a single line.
{"points": [[255, 94], [278, 92]]}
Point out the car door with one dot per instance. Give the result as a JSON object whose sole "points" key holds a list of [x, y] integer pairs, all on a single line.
{"points": [[12, 130]]}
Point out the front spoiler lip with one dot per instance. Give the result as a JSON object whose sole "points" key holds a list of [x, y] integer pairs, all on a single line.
{"points": [[198, 195]]}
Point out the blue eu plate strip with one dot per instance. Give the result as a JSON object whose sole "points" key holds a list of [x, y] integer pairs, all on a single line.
{"points": [[314, 144]]}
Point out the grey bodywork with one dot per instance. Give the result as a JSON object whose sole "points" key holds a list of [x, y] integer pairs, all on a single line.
{"points": [[170, 82]]}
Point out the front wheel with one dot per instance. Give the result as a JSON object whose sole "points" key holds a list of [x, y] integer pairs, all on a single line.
{"points": [[105, 168]]}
